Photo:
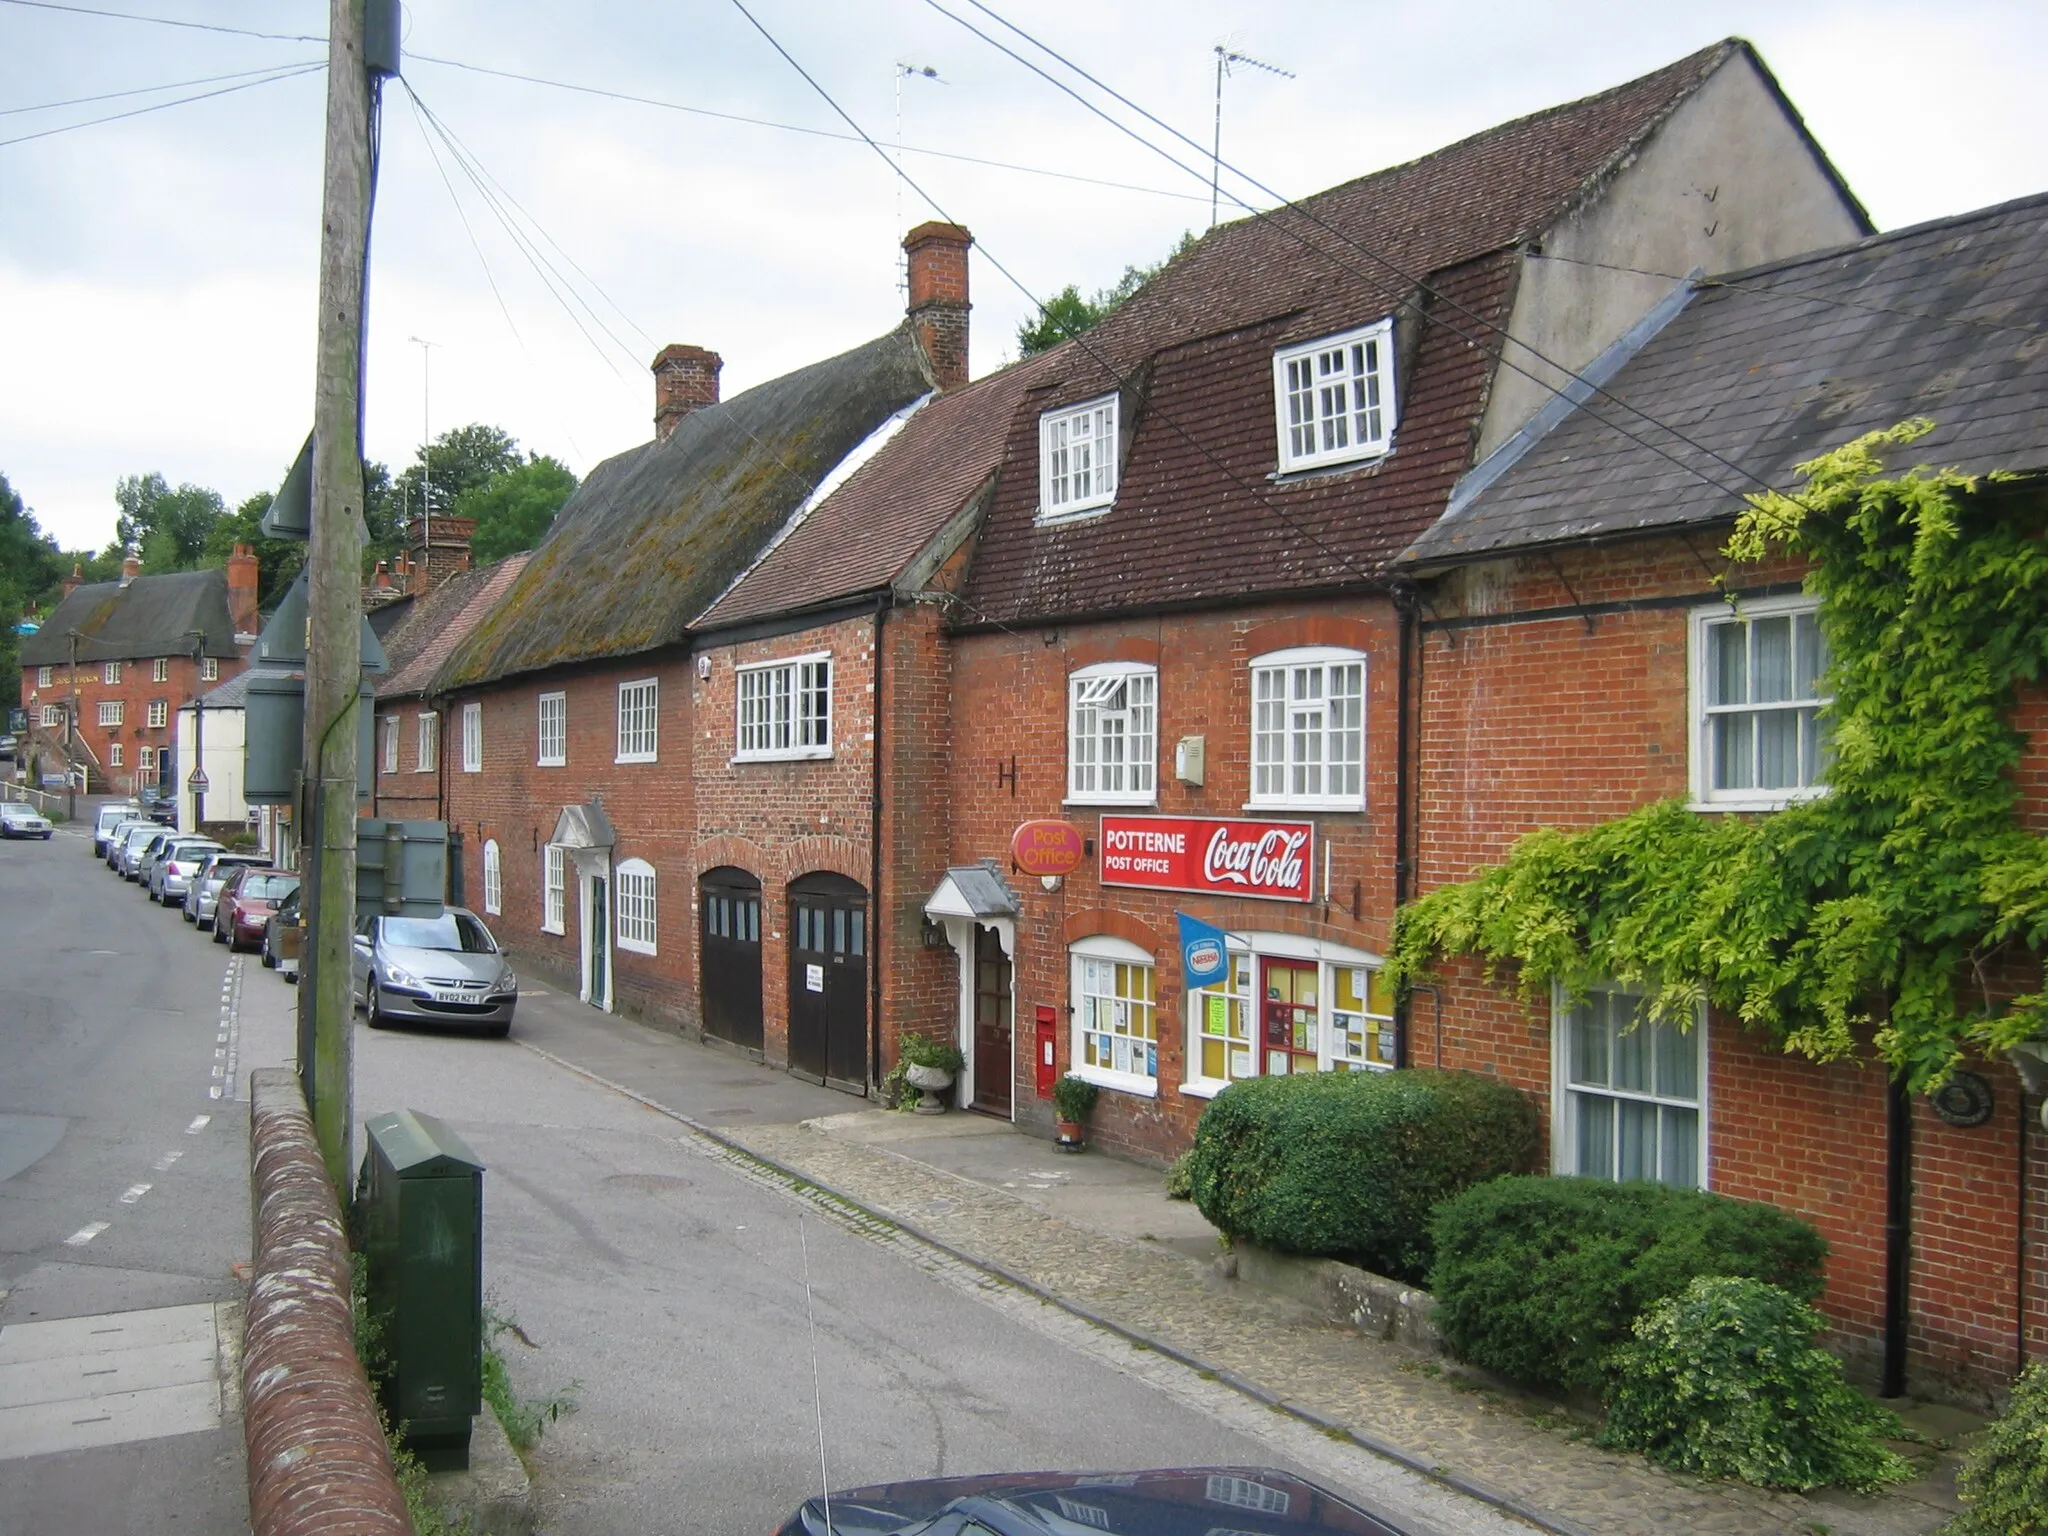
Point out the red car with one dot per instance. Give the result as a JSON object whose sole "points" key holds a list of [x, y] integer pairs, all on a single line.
{"points": [[243, 913]]}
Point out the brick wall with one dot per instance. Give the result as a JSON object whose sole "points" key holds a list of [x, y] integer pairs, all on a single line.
{"points": [[135, 692]]}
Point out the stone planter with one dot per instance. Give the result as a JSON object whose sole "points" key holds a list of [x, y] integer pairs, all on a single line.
{"points": [[930, 1082]]}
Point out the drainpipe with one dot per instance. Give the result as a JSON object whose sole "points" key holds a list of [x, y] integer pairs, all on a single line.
{"points": [[1898, 1233], [875, 913], [1404, 787]]}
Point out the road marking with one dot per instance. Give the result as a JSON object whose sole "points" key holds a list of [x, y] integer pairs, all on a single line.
{"points": [[133, 1193], [85, 1234], [198, 1124], [163, 1164]]}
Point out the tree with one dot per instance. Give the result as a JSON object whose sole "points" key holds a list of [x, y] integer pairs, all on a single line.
{"points": [[1067, 314], [31, 568], [515, 508], [462, 459], [277, 560], [170, 527]]}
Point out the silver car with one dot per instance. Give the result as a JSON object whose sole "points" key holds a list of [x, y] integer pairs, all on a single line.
{"points": [[19, 820], [433, 970], [135, 847], [171, 875], [204, 893], [117, 838]]}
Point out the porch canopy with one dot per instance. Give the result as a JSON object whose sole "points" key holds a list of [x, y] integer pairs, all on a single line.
{"points": [[585, 832], [974, 892]]}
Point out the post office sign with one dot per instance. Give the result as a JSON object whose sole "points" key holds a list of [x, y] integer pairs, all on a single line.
{"points": [[1274, 860], [1047, 847]]}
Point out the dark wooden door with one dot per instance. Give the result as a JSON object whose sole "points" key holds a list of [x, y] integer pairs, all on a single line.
{"points": [[731, 956], [994, 1064], [598, 940], [828, 981]]}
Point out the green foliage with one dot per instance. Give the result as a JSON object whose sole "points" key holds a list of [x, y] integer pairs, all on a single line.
{"points": [[461, 460], [1067, 314], [1538, 1278], [923, 1051], [278, 561], [1073, 1099], [524, 1422], [515, 509], [1724, 1380], [31, 566], [1876, 906], [169, 527], [2004, 1480], [1348, 1165], [1180, 1177]]}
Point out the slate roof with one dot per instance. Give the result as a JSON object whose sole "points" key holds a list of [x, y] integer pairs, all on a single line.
{"points": [[868, 531], [1197, 517], [655, 534], [1773, 365], [149, 616], [438, 620], [234, 693]]}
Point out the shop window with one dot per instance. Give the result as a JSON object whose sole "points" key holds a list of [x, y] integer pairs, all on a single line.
{"points": [[1116, 1025], [1289, 1005]]}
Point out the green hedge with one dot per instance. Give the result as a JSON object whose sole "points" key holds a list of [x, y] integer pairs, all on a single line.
{"points": [[1347, 1165], [1539, 1278], [2004, 1481]]}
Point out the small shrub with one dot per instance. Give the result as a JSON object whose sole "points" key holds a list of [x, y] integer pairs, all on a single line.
{"points": [[1724, 1380], [1538, 1278], [1180, 1177], [1073, 1099], [1347, 1165], [923, 1051], [2004, 1480]]}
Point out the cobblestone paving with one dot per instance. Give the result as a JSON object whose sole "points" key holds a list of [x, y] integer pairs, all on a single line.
{"points": [[1374, 1389]]}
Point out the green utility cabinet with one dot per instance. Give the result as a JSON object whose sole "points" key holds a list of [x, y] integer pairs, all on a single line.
{"points": [[420, 1204]]}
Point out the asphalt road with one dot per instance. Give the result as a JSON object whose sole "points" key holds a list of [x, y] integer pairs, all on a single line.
{"points": [[705, 1318]]}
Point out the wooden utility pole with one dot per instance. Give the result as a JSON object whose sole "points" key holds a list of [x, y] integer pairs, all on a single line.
{"points": [[334, 607]]}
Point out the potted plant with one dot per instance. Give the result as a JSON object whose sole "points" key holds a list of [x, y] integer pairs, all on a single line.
{"points": [[930, 1066], [1072, 1100]]}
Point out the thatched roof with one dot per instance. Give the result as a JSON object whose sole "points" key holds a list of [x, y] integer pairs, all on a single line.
{"points": [[656, 533], [131, 621]]}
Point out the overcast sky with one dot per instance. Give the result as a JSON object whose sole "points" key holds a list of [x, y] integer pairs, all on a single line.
{"points": [[157, 274]]}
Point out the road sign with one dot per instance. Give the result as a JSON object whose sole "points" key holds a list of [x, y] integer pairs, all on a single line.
{"points": [[199, 780]]}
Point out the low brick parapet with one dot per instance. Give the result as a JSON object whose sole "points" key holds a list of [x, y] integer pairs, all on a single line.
{"points": [[318, 1462]]}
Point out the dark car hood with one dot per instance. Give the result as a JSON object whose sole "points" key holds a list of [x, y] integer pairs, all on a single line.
{"points": [[1168, 1502]]}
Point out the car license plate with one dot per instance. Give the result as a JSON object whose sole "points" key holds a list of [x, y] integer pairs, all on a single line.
{"points": [[451, 997]]}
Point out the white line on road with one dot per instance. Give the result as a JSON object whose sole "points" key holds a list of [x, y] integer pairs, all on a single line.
{"points": [[163, 1164], [198, 1124], [133, 1193], [85, 1234]]}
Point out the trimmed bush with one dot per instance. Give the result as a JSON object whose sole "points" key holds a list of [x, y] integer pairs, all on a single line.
{"points": [[1538, 1278], [1724, 1380], [2004, 1480], [1347, 1165]]}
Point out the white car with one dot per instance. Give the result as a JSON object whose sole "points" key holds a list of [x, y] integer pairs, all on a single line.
{"points": [[110, 816], [19, 820]]}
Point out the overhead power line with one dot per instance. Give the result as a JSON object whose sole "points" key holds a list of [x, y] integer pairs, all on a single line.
{"points": [[167, 21], [147, 90], [287, 72]]}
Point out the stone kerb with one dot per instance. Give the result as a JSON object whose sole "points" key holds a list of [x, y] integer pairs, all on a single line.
{"points": [[318, 1462]]}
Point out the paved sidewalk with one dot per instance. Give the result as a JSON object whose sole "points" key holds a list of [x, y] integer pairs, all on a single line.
{"points": [[1099, 1236]]}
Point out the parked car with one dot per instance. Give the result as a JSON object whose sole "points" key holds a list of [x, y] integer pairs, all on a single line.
{"points": [[18, 819], [153, 850], [8, 745], [281, 939], [118, 835], [109, 816], [139, 841], [1191, 1501], [160, 807], [246, 903], [204, 893], [433, 970], [171, 875]]}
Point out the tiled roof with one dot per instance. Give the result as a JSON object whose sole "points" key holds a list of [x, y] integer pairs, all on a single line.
{"points": [[149, 616], [865, 534], [1197, 516], [1771, 366], [438, 620], [654, 535]]}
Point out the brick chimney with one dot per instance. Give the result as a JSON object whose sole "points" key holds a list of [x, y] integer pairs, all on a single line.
{"points": [[75, 580], [439, 549], [938, 298], [685, 380], [243, 577], [131, 567]]}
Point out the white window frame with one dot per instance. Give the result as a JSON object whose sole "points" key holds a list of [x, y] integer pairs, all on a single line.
{"points": [[53, 716], [1105, 949], [110, 673], [390, 744], [159, 714], [554, 888], [1567, 1097], [114, 754], [1705, 796], [552, 708], [427, 742], [111, 713], [1287, 666], [1077, 471], [775, 715], [46, 677], [1088, 690], [635, 744], [209, 669], [1366, 383], [160, 670], [494, 878], [633, 907], [1255, 949], [472, 738]]}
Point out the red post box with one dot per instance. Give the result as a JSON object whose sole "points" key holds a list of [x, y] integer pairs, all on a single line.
{"points": [[1048, 1039]]}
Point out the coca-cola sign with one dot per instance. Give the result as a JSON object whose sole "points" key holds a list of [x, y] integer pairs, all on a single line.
{"points": [[1271, 859]]}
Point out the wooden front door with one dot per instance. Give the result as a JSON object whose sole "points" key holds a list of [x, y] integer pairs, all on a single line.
{"points": [[597, 944], [994, 1065], [1290, 1012], [730, 983], [828, 981]]}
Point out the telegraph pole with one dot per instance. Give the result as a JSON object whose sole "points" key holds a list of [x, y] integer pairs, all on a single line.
{"points": [[334, 607]]}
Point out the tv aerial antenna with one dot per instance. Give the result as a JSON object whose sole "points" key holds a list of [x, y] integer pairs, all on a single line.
{"points": [[1226, 57]]}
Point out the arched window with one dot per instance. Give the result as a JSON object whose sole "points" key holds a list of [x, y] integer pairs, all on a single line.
{"points": [[636, 906], [494, 880], [1116, 1026]]}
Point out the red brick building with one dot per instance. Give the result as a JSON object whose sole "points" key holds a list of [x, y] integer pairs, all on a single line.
{"points": [[104, 678], [1585, 650]]}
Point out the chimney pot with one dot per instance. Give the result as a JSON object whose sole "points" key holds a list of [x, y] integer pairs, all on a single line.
{"points": [[685, 380], [75, 580], [432, 563], [245, 574], [131, 567], [938, 297]]}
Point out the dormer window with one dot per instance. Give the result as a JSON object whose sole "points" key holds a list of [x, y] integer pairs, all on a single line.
{"points": [[1077, 458], [1334, 398]]}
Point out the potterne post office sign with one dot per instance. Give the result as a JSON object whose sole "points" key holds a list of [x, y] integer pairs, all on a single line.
{"points": [[1273, 859]]}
